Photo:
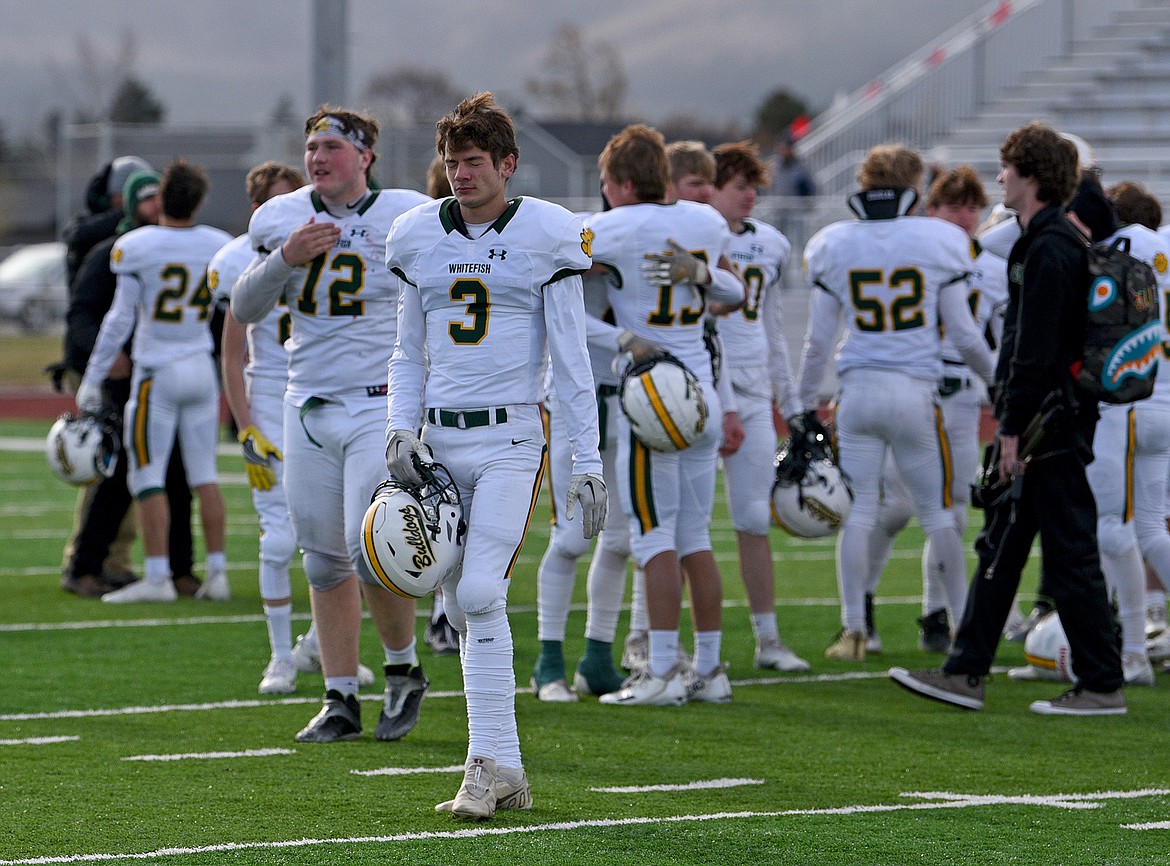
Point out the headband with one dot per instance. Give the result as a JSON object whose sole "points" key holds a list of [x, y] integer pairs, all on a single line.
{"points": [[330, 125]]}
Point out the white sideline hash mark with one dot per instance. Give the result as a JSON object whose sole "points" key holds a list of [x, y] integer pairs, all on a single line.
{"points": [[407, 771], [39, 741], [688, 786], [208, 756], [948, 801]]}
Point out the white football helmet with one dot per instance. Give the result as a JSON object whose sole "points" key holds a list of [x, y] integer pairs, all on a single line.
{"points": [[811, 495], [82, 450], [1046, 649], [412, 535], [664, 404]]}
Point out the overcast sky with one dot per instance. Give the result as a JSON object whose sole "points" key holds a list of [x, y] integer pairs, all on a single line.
{"points": [[216, 61]]}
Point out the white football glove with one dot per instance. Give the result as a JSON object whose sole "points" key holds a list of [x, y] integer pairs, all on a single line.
{"points": [[401, 450], [589, 491], [675, 266], [639, 348], [89, 398]]}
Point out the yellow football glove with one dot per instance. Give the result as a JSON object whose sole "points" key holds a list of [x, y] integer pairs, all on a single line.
{"points": [[258, 454]]}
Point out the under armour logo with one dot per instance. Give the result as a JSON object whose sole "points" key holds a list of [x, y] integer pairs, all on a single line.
{"points": [[493, 253], [357, 233]]}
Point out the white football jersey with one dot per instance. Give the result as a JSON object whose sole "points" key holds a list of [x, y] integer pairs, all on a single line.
{"points": [[886, 274], [267, 357], [671, 316], [483, 298], [753, 336], [1153, 248], [343, 304], [987, 297], [162, 293]]}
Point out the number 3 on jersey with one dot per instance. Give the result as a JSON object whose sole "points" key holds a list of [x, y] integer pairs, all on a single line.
{"points": [[475, 295]]}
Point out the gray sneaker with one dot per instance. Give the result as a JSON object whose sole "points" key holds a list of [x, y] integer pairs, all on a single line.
{"points": [[340, 719], [476, 800], [1082, 702], [960, 690], [512, 791], [402, 701]]}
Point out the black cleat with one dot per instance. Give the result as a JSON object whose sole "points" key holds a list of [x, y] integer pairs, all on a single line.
{"points": [[405, 689], [339, 719]]}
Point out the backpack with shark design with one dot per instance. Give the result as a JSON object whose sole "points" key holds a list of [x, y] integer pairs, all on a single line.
{"points": [[1123, 334]]}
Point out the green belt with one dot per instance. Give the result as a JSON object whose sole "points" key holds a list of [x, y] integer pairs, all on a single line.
{"points": [[466, 420]]}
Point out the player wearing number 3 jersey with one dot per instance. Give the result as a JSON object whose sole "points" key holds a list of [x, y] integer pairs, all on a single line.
{"points": [[892, 278], [490, 284]]}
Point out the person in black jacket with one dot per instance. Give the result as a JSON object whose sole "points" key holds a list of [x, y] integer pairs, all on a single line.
{"points": [[97, 557], [1045, 440]]}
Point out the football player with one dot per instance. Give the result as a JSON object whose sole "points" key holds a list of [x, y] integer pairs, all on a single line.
{"points": [[893, 278], [321, 248], [1131, 455], [489, 286], [162, 297], [757, 366], [658, 303], [956, 196]]}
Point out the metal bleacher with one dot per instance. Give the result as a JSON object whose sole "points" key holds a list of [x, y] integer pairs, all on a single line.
{"points": [[1098, 69]]}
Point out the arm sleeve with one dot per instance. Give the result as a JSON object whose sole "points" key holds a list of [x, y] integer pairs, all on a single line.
{"points": [[601, 334], [779, 364], [962, 330], [824, 319], [726, 287], [116, 327], [408, 363], [258, 288], [725, 391], [564, 321]]}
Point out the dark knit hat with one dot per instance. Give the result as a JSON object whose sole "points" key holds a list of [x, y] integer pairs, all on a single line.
{"points": [[1093, 208], [139, 186]]}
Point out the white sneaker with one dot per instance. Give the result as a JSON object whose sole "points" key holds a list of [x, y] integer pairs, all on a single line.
{"points": [[476, 800], [873, 642], [1031, 673], [1157, 649], [280, 677], [772, 653], [636, 653], [1137, 670], [645, 689], [307, 658], [555, 692], [714, 688], [512, 791], [215, 587], [142, 590], [1155, 620]]}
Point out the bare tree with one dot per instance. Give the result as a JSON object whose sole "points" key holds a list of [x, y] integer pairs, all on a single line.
{"points": [[91, 81], [412, 95], [580, 81]]}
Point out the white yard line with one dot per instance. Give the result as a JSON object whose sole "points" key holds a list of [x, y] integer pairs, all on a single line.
{"points": [[211, 756], [684, 786], [39, 741], [408, 771], [944, 801]]}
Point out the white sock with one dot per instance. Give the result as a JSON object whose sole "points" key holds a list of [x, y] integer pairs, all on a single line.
{"points": [[606, 586], [663, 651], [639, 618], [405, 656], [279, 619], [216, 562], [489, 684], [345, 685], [554, 594], [707, 650], [763, 624], [157, 569]]}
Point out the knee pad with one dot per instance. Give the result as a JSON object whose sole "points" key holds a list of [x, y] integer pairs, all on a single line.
{"points": [[616, 537], [567, 539], [754, 519], [1114, 537], [479, 596], [277, 544], [326, 572]]}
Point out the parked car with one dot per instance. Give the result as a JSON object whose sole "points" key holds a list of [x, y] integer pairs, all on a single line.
{"points": [[33, 292]]}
